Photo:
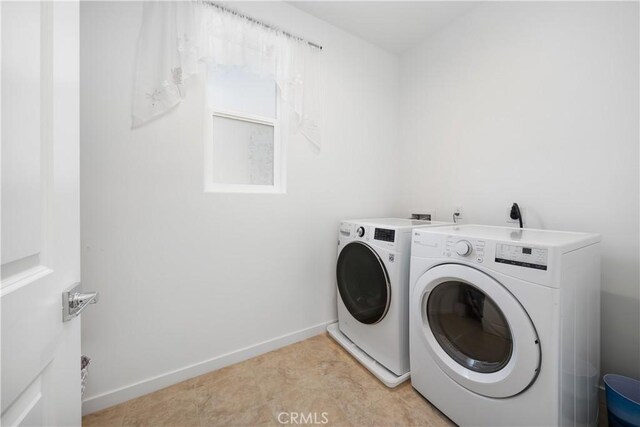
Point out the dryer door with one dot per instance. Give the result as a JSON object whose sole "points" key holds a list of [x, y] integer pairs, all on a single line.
{"points": [[476, 330], [363, 283]]}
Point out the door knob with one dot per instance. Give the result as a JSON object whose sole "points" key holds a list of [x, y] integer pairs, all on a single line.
{"points": [[74, 301]]}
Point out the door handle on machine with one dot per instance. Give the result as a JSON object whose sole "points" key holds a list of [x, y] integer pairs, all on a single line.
{"points": [[74, 301]]}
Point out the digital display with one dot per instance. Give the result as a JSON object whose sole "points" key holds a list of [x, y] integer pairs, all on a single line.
{"points": [[526, 251], [384, 235]]}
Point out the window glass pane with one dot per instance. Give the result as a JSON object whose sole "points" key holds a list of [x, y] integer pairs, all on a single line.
{"points": [[242, 152], [234, 89], [469, 326]]}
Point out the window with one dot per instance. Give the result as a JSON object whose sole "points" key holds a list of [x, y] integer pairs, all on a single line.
{"points": [[243, 149]]}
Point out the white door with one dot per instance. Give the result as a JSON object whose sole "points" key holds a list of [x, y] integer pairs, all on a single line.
{"points": [[476, 330], [40, 354]]}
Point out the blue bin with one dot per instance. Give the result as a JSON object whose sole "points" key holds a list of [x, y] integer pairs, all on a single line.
{"points": [[623, 401]]}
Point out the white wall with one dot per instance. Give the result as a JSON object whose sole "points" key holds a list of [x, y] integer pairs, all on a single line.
{"points": [[535, 103], [186, 276]]}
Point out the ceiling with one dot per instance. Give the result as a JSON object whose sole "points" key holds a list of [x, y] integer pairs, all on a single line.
{"points": [[395, 26]]}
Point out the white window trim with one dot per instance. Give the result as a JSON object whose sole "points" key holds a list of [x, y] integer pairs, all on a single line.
{"points": [[279, 173]]}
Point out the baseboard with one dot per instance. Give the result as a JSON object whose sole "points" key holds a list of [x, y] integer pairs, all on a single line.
{"points": [[114, 397]]}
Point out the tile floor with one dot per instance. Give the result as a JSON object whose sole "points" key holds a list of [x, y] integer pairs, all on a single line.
{"points": [[312, 376]]}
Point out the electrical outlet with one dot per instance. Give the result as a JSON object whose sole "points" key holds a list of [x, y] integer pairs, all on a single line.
{"points": [[523, 214], [458, 210]]}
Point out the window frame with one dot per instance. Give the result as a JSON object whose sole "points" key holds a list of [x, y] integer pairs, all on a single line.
{"points": [[279, 152]]}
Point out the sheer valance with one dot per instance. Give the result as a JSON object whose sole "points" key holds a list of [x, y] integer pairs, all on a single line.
{"points": [[177, 37]]}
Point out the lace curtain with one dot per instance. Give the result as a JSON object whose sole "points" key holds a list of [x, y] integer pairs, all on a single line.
{"points": [[176, 37]]}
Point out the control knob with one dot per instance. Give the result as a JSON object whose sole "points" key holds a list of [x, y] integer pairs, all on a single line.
{"points": [[463, 248], [360, 231]]}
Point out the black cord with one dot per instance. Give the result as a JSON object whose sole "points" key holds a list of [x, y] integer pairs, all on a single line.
{"points": [[515, 213]]}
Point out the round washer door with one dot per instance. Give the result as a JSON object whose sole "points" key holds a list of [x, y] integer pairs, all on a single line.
{"points": [[476, 330], [363, 283]]}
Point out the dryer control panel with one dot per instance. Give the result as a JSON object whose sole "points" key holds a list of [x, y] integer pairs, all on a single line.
{"points": [[387, 238], [522, 256], [384, 235]]}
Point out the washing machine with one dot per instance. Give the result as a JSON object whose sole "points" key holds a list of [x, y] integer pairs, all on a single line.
{"points": [[373, 294], [505, 325]]}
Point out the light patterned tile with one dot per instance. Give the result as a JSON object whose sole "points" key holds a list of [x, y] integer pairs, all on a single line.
{"points": [[171, 406], [110, 417], [314, 406], [277, 372], [227, 395], [322, 348], [355, 386], [394, 411], [260, 415], [311, 378], [423, 411], [274, 381], [169, 413], [230, 396]]}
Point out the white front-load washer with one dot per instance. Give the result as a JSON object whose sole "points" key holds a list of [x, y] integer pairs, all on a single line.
{"points": [[373, 293], [505, 325]]}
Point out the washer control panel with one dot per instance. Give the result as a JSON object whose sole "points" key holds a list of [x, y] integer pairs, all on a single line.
{"points": [[463, 248], [522, 256], [473, 249]]}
